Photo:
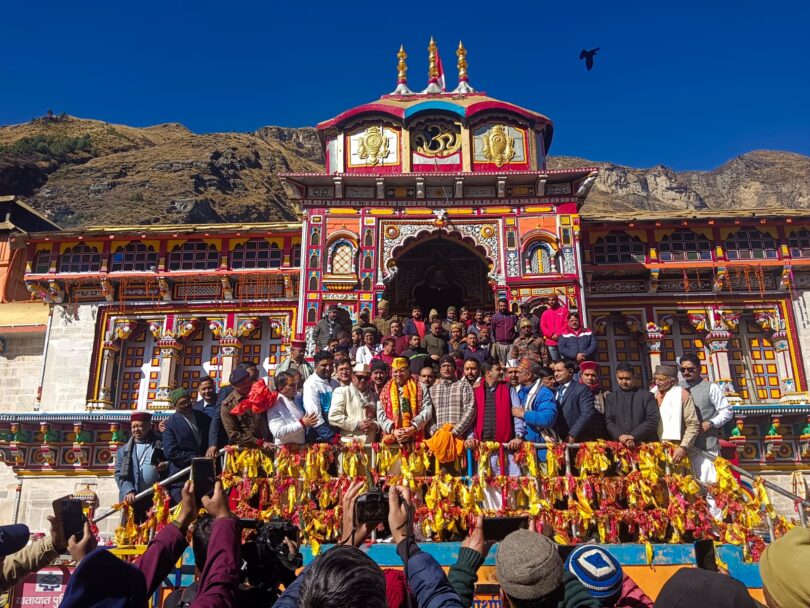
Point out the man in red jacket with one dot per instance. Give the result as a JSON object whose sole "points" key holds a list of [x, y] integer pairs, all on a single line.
{"points": [[553, 324]]}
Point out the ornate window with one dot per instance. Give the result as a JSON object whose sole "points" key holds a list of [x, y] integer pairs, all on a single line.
{"points": [[256, 253], [194, 255], [799, 243], [540, 258], [134, 257], [80, 258], [295, 256], [341, 260], [750, 244], [619, 248], [42, 262], [684, 246]]}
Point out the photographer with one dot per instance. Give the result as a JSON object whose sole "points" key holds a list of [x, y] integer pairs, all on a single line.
{"points": [[345, 577]]}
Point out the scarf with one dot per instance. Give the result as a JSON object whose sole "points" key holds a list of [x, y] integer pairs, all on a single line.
{"points": [[503, 411], [594, 388], [671, 408], [402, 412], [259, 400]]}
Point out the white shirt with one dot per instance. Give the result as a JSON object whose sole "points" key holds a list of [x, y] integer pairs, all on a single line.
{"points": [[365, 354], [318, 396], [284, 421]]}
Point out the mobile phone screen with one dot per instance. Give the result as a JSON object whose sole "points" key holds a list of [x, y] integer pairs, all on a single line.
{"points": [[204, 475], [69, 514], [498, 528]]}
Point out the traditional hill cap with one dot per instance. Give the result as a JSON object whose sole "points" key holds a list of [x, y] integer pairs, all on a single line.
{"points": [[452, 309], [178, 394], [598, 571], [783, 567], [364, 312], [669, 371], [457, 326], [382, 304], [13, 538], [238, 375], [378, 364], [333, 307], [528, 565], [588, 365], [447, 359], [696, 587], [369, 330], [342, 348], [361, 368], [298, 343], [140, 417], [525, 323], [433, 313], [399, 363]]}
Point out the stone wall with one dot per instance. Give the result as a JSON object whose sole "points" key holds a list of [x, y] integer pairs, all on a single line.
{"points": [[783, 505], [8, 488], [38, 494], [20, 371], [70, 350]]}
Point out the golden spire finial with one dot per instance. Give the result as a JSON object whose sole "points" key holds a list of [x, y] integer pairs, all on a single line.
{"points": [[402, 73], [433, 68], [461, 53], [463, 87], [402, 76]]}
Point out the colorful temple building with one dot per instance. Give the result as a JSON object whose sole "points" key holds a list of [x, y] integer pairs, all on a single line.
{"points": [[431, 199]]}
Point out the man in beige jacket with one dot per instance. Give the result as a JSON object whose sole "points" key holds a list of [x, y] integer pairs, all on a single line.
{"points": [[20, 559], [353, 408], [679, 419]]}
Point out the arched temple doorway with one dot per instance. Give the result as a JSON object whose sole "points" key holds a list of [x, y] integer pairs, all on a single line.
{"points": [[438, 271]]}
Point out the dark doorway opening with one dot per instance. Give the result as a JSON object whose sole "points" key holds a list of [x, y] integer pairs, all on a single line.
{"points": [[438, 272]]}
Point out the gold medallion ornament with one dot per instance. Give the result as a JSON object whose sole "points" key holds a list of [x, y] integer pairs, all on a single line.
{"points": [[499, 147], [437, 140], [373, 146]]}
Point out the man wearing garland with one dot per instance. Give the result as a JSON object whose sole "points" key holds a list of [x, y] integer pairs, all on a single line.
{"points": [[405, 408]]}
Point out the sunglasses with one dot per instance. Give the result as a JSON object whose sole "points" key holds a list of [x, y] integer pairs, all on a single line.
{"points": [[359, 377], [689, 370]]}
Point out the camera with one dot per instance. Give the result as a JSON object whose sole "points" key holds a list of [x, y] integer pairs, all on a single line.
{"points": [[267, 562], [371, 508]]}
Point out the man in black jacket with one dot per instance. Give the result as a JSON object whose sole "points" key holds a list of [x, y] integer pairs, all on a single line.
{"points": [[574, 404], [631, 413]]}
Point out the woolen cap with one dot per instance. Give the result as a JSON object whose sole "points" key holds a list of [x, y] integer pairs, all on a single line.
{"points": [[140, 417], [588, 365], [178, 394], [528, 565], [379, 364], [666, 370], [783, 567], [598, 571], [13, 538], [690, 587]]}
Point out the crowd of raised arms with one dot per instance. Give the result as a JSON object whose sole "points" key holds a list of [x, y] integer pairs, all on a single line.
{"points": [[451, 383]]}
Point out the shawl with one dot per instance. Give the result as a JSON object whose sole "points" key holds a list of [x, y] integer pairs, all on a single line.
{"points": [[259, 400], [671, 410], [503, 411]]}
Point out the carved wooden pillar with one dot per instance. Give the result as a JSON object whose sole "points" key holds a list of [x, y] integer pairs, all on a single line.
{"points": [[772, 323], [119, 332], [718, 325], [652, 337], [170, 349]]}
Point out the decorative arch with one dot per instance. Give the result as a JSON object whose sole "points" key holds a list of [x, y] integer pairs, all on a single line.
{"points": [[134, 257], [193, 255], [341, 257], [684, 245], [618, 247], [539, 257], [750, 244], [80, 258]]}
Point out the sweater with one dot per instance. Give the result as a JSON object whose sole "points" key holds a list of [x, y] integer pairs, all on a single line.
{"points": [[464, 574]]}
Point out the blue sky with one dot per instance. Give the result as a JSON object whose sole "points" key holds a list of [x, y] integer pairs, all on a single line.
{"points": [[687, 84]]}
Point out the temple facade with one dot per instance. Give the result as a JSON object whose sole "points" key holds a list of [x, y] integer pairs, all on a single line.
{"points": [[429, 199]]}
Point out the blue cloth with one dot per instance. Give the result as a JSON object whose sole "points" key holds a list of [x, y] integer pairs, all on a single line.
{"points": [[576, 407], [101, 580], [180, 445], [540, 413], [146, 474], [13, 538]]}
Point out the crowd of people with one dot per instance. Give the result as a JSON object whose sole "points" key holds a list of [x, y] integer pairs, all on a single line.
{"points": [[530, 569], [451, 382]]}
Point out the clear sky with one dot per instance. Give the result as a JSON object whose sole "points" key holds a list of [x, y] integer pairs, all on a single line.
{"points": [[685, 83]]}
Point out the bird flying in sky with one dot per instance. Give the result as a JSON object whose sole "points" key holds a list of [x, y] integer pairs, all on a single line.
{"points": [[588, 57]]}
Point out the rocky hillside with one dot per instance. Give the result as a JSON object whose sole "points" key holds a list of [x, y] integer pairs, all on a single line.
{"points": [[87, 172]]}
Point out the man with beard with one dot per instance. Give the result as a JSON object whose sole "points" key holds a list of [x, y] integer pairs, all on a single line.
{"points": [[574, 403], [526, 345], [631, 413], [553, 324], [471, 350], [296, 361], [327, 329], [354, 409], [504, 324], [318, 391], [538, 409], [472, 372], [380, 374], [453, 400], [416, 325], [139, 464]]}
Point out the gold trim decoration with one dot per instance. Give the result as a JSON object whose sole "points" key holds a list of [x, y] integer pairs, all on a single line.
{"points": [[461, 53], [373, 146], [499, 146], [402, 68], [436, 140]]}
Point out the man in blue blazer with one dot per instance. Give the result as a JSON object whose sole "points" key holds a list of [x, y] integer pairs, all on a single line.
{"points": [[185, 437], [574, 403]]}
